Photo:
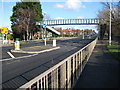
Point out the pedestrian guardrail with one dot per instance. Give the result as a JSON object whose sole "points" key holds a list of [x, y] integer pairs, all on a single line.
{"points": [[65, 73]]}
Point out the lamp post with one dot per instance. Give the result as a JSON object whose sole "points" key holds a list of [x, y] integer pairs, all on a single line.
{"points": [[110, 24], [119, 9]]}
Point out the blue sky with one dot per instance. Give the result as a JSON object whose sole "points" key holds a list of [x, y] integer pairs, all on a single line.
{"points": [[88, 10], [62, 10], [70, 9]]}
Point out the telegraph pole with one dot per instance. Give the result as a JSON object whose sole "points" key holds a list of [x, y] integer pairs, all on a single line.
{"points": [[110, 24]]}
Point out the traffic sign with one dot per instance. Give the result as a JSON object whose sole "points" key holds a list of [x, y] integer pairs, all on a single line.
{"points": [[4, 30], [44, 25]]}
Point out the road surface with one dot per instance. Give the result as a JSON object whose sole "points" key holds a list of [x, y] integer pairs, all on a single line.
{"points": [[17, 72]]}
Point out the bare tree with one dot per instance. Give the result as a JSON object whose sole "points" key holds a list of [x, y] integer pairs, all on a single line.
{"points": [[114, 15]]}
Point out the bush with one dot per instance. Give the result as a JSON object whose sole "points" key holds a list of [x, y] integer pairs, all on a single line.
{"points": [[10, 36], [35, 37], [1, 35]]}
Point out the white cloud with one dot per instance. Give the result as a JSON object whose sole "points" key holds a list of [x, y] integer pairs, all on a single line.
{"points": [[59, 18], [59, 5], [71, 5], [80, 17]]}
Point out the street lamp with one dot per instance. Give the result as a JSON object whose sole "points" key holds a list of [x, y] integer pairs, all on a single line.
{"points": [[110, 24]]}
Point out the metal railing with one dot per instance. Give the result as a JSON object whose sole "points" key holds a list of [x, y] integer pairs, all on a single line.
{"points": [[92, 21], [65, 73], [70, 21]]}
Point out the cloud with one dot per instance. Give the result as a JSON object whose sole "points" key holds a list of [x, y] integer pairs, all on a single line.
{"points": [[59, 6], [71, 5], [80, 17], [59, 18]]}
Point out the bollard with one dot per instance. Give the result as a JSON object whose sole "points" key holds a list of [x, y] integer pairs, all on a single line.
{"points": [[17, 45], [54, 43]]}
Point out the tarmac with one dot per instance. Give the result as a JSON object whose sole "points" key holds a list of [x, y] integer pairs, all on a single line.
{"points": [[101, 71]]}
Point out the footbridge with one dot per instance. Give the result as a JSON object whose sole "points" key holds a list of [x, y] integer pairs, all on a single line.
{"points": [[93, 21]]}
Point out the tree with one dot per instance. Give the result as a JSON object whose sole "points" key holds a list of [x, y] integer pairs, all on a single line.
{"points": [[9, 36], [24, 16], [114, 15]]}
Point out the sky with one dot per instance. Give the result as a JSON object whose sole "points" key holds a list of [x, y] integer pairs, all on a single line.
{"points": [[68, 9], [72, 10]]}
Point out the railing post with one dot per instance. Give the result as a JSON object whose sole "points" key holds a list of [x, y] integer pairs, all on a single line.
{"points": [[38, 84], [81, 62], [63, 75], [69, 73]]}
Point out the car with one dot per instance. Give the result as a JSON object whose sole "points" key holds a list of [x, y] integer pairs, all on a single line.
{"points": [[89, 36]]}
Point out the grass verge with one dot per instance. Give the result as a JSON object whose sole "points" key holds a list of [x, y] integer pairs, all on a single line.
{"points": [[114, 50]]}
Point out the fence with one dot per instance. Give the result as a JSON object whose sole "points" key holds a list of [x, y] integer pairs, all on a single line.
{"points": [[65, 73]]}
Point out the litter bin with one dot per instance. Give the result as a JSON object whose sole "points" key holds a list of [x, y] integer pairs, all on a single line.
{"points": [[17, 44]]}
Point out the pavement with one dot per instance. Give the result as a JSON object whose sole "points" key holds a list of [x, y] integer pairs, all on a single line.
{"points": [[101, 71]]}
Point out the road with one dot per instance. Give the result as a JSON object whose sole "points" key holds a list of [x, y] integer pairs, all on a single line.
{"points": [[17, 72]]}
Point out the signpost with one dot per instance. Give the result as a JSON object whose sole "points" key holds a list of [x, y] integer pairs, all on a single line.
{"points": [[44, 26], [4, 30]]}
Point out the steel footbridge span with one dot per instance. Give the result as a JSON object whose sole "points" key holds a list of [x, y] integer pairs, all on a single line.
{"points": [[93, 21]]}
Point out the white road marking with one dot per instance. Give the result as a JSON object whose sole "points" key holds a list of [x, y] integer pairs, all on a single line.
{"points": [[30, 55], [10, 55], [17, 57]]}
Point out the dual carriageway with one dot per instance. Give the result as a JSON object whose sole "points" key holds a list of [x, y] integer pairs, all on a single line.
{"points": [[18, 72]]}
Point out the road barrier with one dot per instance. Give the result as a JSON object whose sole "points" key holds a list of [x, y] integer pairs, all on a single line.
{"points": [[17, 44], [54, 43], [65, 73]]}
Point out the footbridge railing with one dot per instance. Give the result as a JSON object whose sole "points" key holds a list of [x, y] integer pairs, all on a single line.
{"points": [[94, 21], [65, 73]]}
